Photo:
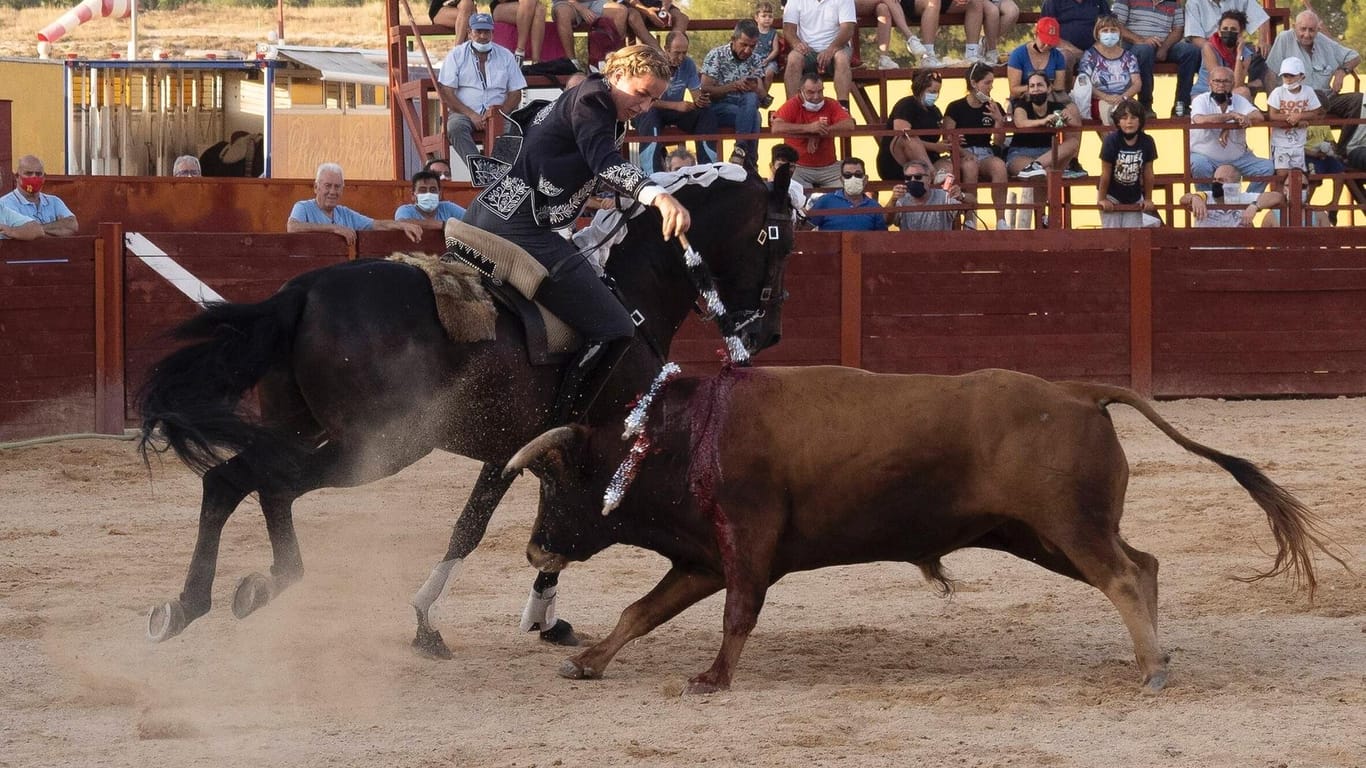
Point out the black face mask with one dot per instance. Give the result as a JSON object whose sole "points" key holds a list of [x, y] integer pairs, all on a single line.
{"points": [[916, 188], [1229, 39], [1129, 136], [1038, 98], [1219, 98]]}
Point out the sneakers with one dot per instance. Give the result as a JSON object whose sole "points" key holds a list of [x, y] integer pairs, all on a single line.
{"points": [[991, 58], [971, 52], [1180, 109], [887, 62], [1075, 173], [1003, 224], [915, 47], [1033, 170], [930, 61]]}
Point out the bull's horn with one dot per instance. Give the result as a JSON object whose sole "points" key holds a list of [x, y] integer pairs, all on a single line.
{"points": [[538, 447]]}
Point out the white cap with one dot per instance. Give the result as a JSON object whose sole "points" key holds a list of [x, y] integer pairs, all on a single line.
{"points": [[1292, 66]]}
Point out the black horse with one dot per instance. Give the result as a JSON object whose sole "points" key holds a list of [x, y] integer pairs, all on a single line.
{"points": [[356, 379]]}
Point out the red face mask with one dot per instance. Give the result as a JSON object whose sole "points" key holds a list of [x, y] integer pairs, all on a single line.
{"points": [[31, 184]]}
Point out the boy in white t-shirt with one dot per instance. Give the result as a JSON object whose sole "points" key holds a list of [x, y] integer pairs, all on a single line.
{"points": [[1295, 106]]}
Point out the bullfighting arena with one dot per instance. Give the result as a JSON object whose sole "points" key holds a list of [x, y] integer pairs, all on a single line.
{"points": [[857, 666]]}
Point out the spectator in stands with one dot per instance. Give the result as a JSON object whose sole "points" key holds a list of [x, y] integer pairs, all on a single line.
{"points": [[766, 49], [850, 196], [28, 199], [17, 226], [1041, 55], [1077, 25], [1227, 191], [1326, 66], [440, 167], [1154, 30], [780, 155], [1031, 154], [998, 23], [1354, 152], [454, 14], [1113, 70], [478, 78], [1227, 49], [914, 113], [819, 33], [680, 158], [529, 18], [917, 189], [650, 16], [427, 208], [569, 14], [186, 167], [325, 213], [884, 13], [807, 120], [692, 115], [733, 78], [979, 159], [1322, 158], [1203, 22], [1127, 155], [1229, 115], [1293, 106], [928, 13]]}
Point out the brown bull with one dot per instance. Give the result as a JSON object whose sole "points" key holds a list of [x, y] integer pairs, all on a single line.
{"points": [[759, 473]]}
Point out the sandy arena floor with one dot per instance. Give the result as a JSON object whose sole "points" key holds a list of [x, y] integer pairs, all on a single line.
{"points": [[859, 666]]}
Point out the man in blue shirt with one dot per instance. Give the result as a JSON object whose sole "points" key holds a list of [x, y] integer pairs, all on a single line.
{"points": [[29, 200], [18, 226], [427, 208], [849, 197], [694, 116], [324, 213]]}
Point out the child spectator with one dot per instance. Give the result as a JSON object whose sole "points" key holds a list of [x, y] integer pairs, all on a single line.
{"points": [[1295, 105], [766, 49], [1126, 176]]}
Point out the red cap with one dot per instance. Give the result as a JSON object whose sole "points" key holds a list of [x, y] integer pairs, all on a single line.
{"points": [[1048, 31]]}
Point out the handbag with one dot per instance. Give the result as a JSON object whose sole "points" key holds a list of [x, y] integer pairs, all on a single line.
{"points": [[1081, 96]]}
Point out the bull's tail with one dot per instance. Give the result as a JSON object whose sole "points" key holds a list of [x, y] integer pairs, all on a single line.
{"points": [[1295, 528], [189, 403]]}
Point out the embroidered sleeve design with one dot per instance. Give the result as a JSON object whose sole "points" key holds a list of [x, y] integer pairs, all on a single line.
{"points": [[504, 197], [563, 213], [543, 114], [547, 188], [624, 177]]}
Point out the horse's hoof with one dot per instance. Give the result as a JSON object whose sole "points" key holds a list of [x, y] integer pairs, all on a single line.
{"points": [[571, 670], [429, 645], [1155, 682], [165, 621], [561, 634], [700, 685], [253, 592]]}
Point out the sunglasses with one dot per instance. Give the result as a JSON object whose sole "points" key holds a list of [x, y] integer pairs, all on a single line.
{"points": [[852, 175], [915, 177]]}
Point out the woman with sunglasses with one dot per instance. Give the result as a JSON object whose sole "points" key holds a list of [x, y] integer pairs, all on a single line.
{"points": [[979, 160], [916, 112]]}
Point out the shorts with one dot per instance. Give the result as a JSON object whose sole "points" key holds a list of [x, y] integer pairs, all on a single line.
{"points": [[595, 6], [981, 153], [809, 64], [1033, 153]]}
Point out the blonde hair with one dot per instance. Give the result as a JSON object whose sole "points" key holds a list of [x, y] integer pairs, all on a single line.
{"points": [[635, 61]]}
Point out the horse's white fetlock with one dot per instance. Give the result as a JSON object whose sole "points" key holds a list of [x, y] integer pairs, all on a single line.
{"points": [[539, 613], [436, 584]]}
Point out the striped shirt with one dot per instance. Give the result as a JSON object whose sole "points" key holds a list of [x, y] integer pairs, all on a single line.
{"points": [[1150, 18]]}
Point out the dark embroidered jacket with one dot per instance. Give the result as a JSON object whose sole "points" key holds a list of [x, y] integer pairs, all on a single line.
{"points": [[569, 150]]}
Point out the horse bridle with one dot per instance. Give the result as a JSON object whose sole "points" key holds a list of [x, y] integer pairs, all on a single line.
{"points": [[732, 321]]}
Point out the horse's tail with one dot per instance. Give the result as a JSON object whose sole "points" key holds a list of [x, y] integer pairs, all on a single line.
{"points": [[1295, 528], [189, 403]]}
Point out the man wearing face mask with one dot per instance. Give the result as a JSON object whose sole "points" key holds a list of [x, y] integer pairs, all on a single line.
{"points": [[28, 199], [808, 121], [917, 191], [478, 78], [427, 208], [849, 197], [1226, 191], [1222, 118]]}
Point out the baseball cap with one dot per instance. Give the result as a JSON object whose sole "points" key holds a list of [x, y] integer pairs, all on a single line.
{"points": [[1048, 31], [481, 21], [1292, 66]]}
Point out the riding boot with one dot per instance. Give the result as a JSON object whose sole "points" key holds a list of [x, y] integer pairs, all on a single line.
{"points": [[585, 376]]}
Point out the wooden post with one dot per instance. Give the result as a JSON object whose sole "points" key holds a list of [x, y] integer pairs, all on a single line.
{"points": [[1141, 311], [6, 144], [851, 300], [109, 359]]}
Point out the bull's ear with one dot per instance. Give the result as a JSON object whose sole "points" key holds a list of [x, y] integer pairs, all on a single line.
{"points": [[547, 452]]}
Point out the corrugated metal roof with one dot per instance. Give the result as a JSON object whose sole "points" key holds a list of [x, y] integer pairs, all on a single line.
{"points": [[341, 66]]}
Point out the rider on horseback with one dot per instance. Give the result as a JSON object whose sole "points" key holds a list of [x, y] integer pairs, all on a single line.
{"points": [[570, 148]]}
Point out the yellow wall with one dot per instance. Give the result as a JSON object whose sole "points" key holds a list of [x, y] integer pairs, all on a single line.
{"points": [[38, 90], [359, 140]]}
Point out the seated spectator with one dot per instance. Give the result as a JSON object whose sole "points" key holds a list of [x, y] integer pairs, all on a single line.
{"points": [[1294, 106], [998, 23], [883, 14], [440, 167], [780, 155], [649, 16], [478, 78], [17, 226], [1127, 155], [979, 159], [427, 208], [1041, 55], [680, 158], [28, 199], [1227, 49], [325, 213], [914, 113], [1113, 71], [1204, 22], [1225, 140], [186, 167], [849, 196], [1153, 31], [732, 78], [569, 14], [1322, 159], [1032, 154], [927, 11], [1076, 25], [1227, 191], [819, 33], [1354, 153], [529, 18], [674, 107], [917, 189], [454, 14], [807, 121], [1326, 64]]}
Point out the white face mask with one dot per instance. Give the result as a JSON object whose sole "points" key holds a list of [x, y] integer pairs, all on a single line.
{"points": [[813, 106], [1233, 189], [481, 47], [853, 187], [427, 201], [1109, 38]]}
